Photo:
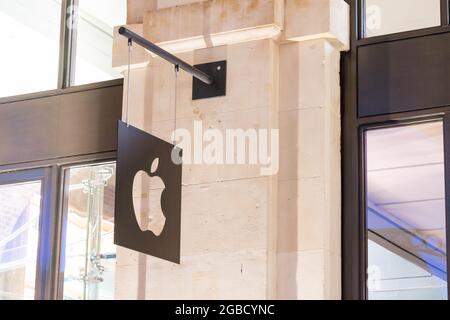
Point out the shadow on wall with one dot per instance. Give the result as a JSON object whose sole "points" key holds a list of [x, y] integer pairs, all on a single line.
{"points": [[287, 233]]}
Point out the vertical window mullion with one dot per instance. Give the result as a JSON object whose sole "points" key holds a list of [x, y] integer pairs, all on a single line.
{"points": [[363, 237], [48, 251], [42, 291], [361, 22], [447, 190], [444, 12], [62, 37], [62, 231], [68, 43]]}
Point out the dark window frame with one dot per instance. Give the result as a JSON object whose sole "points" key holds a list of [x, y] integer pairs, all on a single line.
{"points": [[51, 172], [354, 251]]}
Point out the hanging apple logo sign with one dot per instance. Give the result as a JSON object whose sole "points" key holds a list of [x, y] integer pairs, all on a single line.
{"points": [[142, 157], [155, 220]]}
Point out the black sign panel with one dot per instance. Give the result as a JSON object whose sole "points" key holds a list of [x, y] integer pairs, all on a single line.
{"points": [[137, 150]]}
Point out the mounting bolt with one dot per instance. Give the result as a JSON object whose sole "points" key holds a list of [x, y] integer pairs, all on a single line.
{"points": [[201, 90]]}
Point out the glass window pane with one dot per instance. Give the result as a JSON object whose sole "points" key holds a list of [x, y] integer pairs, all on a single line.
{"points": [[29, 57], [388, 16], [20, 208], [94, 39], [90, 253], [405, 213]]}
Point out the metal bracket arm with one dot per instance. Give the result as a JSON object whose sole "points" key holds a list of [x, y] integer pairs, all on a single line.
{"points": [[166, 55]]}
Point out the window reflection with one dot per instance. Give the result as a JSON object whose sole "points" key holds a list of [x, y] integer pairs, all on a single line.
{"points": [[20, 208], [388, 16], [29, 55], [94, 39], [405, 212], [90, 253]]}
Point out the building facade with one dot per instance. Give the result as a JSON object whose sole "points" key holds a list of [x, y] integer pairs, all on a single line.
{"points": [[350, 101]]}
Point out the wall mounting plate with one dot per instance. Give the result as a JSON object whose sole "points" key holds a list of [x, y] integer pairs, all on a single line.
{"points": [[217, 70]]}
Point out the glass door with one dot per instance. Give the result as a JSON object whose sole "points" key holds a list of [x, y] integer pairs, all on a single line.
{"points": [[88, 252]]}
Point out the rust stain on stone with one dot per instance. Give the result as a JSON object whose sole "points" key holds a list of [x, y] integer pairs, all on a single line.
{"points": [[236, 6], [253, 5]]}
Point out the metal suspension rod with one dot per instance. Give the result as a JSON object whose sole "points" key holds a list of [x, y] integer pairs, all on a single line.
{"points": [[166, 55]]}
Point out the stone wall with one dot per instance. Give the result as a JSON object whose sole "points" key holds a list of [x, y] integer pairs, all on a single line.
{"points": [[245, 236]]}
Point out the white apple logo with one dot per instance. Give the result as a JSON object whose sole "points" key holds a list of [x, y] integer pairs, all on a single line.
{"points": [[147, 191]]}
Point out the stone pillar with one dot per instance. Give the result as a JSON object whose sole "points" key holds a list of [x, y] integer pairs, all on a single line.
{"points": [[137, 8], [244, 235], [309, 195]]}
